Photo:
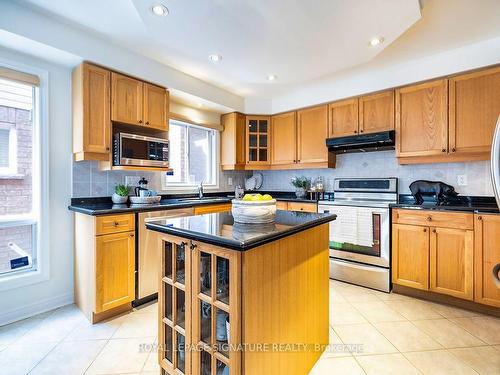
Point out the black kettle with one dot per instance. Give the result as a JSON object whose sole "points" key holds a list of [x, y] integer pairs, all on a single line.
{"points": [[143, 185]]}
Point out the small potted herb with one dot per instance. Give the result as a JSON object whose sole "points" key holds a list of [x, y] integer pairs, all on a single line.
{"points": [[301, 185], [121, 193]]}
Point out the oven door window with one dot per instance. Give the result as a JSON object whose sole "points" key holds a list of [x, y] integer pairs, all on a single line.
{"points": [[353, 247]]}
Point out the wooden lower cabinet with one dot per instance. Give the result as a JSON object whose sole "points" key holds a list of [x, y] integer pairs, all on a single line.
{"points": [[452, 262], [487, 259], [104, 264], [410, 256], [115, 270], [433, 258], [297, 206]]}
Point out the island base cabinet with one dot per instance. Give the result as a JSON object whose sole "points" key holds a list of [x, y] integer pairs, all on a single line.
{"points": [[487, 259], [451, 262], [224, 311]]}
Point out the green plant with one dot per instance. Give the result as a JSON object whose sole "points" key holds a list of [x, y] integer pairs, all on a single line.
{"points": [[301, 182], [122, 190]]}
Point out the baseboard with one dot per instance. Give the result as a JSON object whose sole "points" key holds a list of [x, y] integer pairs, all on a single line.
{"points": [[38, 307]]}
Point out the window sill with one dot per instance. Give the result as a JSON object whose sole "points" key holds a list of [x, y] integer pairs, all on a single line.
{"points": [[13, 176], [20, 279]]}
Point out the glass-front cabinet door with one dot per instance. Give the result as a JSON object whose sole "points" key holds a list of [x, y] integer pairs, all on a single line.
{"points": [[258, 143], [199, 309]]}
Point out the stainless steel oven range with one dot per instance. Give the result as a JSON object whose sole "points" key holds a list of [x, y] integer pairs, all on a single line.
{"points": [[360, 237]]}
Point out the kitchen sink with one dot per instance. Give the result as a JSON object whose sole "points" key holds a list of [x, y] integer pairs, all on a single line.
{"points": [[204, 199]]}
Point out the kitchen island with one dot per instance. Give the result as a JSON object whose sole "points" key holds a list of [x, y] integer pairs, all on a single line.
{"points": [[243, 298]]}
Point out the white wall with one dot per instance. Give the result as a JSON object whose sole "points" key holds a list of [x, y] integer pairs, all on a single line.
{"points": [[58, 289]]}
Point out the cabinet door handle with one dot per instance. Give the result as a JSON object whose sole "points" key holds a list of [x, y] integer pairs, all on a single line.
{"points": [[131, 235], [429, 218], [453, 150], [480, 218], [116, 223], [361, 131], [434, 231], [443, 150], [140, 121], [147, 122], [355, 131], [425, 229], [193, 246], [107, 148]]}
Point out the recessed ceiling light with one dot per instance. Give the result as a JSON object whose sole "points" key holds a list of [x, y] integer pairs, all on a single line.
{"points": [[159, 10], [376, 41], [200, 105], [272, 77], [214, 57]]}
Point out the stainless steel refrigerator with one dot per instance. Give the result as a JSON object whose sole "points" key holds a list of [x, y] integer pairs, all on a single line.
{"points": [[495, 162]]}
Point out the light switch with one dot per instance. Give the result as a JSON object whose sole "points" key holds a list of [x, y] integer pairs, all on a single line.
{"points": [[230, 181]]}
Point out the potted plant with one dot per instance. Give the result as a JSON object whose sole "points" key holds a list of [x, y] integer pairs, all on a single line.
{"points": [[301, 185], [121, 193]]}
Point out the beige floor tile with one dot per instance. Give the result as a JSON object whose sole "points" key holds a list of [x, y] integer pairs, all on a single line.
{"points": [[138, 325], [439, 362], [497, 347], [358, 294], [377, 311], [448, 334], [336, 347], [406, 337], [486, 328], [151, 363], [336, 296], [391, 296], [99, 331], [120, 356], [414, 309], [69, 358], [330, 366], [365, 339], [387, 364], [451, 311], [11, 332], [485, 359], [19, 359], [345, 313]]}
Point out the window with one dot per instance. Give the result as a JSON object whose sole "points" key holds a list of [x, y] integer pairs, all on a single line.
{"points": [[193, 155], [19, 174]]}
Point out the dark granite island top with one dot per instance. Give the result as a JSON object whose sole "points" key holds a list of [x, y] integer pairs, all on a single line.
{"points": [[220, 229]]}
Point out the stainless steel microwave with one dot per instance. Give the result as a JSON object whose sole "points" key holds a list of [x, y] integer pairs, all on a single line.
{"points": [[140, 150]]}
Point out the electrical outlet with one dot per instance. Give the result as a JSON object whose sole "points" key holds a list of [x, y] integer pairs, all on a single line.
{"points": [[230, 181], [462, 180], [132, 180]]}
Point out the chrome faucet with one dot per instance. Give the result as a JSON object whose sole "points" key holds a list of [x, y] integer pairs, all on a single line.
{"points": [[200, 190]]}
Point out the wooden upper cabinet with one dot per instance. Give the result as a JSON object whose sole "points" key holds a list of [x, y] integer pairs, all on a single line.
{"points": [[473, 110], [155, 107], [343, 118], [91, 112], [284, 138], [114, 270], [258, 134], [422, 119], [312, 131], [410, 256], [486, 258], [233, 151], [376, 112], [452, 262], [127, 99]]}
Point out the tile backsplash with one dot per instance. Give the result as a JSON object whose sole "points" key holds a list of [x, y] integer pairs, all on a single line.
{"points": [[385, 164], [89, 181]]}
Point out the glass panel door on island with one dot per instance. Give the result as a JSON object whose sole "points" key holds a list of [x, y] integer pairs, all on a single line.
{"points": [[258, 132], [215, 291]]}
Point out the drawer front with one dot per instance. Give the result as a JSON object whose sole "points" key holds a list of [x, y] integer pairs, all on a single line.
{"points": [[280, 205], [439, 219], [306, 207], [114, 223], [212, 208]]}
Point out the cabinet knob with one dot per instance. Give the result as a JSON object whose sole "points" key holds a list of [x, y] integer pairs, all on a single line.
{"points": [[147, 122], [425, 229], [453, 150], [116, 223], [140, 121], [480, 218], [131, 235], [355, 131], [193, 246], [107, 148], [298, 161], [434, 231], [429, 218], [443, 150]]}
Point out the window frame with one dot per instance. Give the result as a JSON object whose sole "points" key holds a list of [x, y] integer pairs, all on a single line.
{"points": [[39, 217], [189, 187]]}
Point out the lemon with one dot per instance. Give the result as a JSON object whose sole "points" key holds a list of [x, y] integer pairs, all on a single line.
{"points": [[266, 197]]}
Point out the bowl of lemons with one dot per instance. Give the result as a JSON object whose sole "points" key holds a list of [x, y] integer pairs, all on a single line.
{"points": [[254, 209]]}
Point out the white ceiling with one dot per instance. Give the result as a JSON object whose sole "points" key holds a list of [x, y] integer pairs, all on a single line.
{"points": [[298, 40]]}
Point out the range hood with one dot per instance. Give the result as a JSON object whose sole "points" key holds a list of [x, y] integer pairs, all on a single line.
{"points": [[362, 143]]}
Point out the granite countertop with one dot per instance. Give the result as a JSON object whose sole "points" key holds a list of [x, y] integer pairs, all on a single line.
{"points": [[220, 229], [472, 204], [104, 205]]}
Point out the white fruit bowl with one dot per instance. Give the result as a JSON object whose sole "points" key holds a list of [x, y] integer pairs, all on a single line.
{"points": [[253, 212]]}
